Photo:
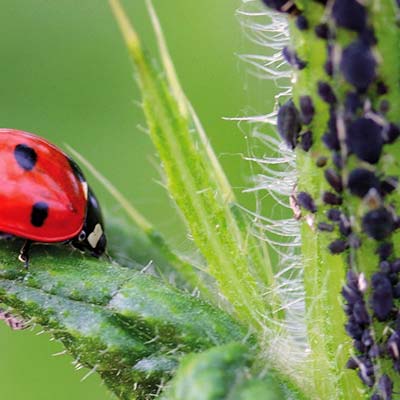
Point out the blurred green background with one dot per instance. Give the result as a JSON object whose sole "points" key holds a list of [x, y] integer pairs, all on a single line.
{"points": [[65, 75]]}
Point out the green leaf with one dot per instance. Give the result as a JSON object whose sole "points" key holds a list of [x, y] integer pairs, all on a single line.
{"points": [[225, 372], [129, 327]]}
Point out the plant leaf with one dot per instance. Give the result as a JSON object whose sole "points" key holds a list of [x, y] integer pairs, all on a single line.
{"points": [[129, 327]]}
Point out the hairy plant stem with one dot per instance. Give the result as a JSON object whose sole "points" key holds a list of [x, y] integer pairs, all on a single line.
{"points": [[323, 273]]}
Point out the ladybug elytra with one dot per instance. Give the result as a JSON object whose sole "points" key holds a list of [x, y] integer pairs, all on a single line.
{"points": [[44, 196]]}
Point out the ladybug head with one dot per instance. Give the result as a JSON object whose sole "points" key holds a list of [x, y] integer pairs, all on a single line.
{"points": [[92, 237]]}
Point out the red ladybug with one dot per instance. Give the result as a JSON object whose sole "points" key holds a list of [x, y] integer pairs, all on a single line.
{"points": [[44, 196]]}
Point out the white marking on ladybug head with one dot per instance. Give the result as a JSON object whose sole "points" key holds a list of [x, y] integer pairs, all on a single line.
{"points": [[85, 189], [95, 236]]}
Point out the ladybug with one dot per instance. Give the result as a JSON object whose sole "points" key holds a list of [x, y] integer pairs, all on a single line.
{"points": [[44, 196]]}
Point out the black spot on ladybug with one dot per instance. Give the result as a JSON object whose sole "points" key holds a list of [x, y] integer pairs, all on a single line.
{"points": [[382, 298], [302, 23], [331, 199], [288, 123], [306, 201], [25, 156], [391, 133], [338, 246], [378, 224], [293, 59], [334, 215], [39, 213], [364, 138], [322, 31], [334, 179], [361, 180], [349, 14], [306, 140], [286, 6], [358, 65], [326, 93], [307, 109]]}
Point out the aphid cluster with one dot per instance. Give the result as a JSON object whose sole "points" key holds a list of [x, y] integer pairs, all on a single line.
{"points": [[355, 139]]}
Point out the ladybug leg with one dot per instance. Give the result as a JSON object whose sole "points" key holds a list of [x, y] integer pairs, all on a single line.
{"points": [[24, 253]]}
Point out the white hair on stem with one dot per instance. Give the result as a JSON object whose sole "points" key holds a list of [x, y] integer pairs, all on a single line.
{"points": [[277, 177]]}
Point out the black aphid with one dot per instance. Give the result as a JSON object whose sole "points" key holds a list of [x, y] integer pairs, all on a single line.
{"points": [[338, 246], [368, 37], [396, 266], [334, 179], [344, 227], [364, 138], [321, 161], [352, 103], [331, 140], [306, 140], [361, 180], [366, 338], [307, 109], [381, 88], [325, 227], [322, 31], [349, 14], [302, 23], [354, 329], [378, 223], [331, 199], [326, 93], [361, 316], [382, 296], [288, 123], [384, 267], [328, 66], [358, 65], [293, 59], [384, 106], [286, 6], [306, 201], [396, 291], [337, 160], [354, 241], [391, 133], [385, 386], [352, 363], [393, 345], [389, 184], [385, 250], [335, 215]]}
